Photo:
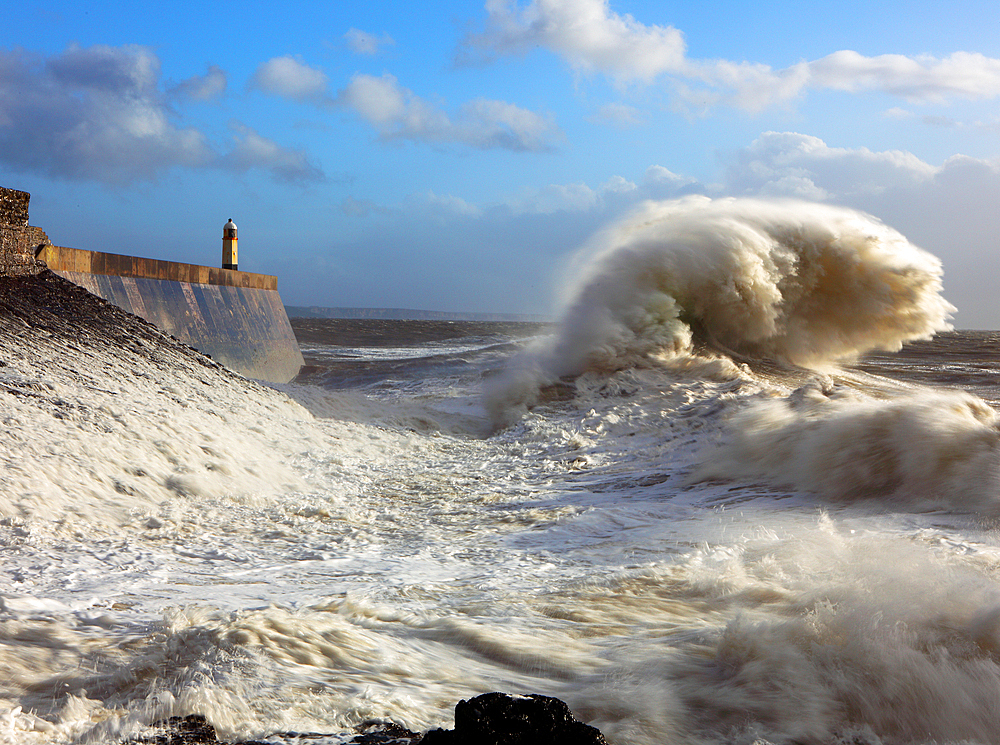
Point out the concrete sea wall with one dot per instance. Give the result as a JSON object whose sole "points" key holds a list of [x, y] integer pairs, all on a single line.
{"points": [[236, 318]]}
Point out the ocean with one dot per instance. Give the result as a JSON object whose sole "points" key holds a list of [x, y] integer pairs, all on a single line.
{"points": [[743, 490]]}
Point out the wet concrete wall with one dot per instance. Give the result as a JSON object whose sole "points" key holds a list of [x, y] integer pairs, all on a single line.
{"points": [[236, 318]]}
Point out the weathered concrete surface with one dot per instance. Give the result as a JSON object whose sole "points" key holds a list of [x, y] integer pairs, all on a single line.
{"points": [[243, 328], [236, 318], [63, 259]]}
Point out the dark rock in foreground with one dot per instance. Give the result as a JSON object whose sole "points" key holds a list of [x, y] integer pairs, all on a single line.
{"points": [[195, 730], [490, 719], [191, 730], [499, 719]]}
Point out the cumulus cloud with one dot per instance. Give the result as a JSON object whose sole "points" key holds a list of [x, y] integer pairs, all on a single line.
{"points": [[620, 115], [100, 113], [797, 165], [554, 198], [923, 78], [289, 77], [614, 195], [592, 38], [586, 33], [361, 42], [91, 113], [444, 205], [619, 185], [251, 150], [398, 113], [661, 183], [205, 87]]}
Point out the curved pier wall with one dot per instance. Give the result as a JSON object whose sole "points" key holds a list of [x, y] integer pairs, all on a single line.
{"points": [[236, 318]]}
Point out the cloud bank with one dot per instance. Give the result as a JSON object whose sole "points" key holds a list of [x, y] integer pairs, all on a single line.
{"points": [[101, 113], [397, 113], [207, 87], [593, 39], [947, 209], [289, 77], [361, 42]]}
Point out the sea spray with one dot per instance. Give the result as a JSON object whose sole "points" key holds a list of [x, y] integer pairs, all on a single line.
{"points": [[920, 451], [799, 283], [109, 422], [571, 554]]}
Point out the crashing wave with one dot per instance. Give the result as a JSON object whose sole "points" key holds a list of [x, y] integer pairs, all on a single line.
{"points": [[795, 282]]}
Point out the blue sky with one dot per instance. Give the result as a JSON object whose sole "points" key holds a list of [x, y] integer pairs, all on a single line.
{"points": [[455, 156]]}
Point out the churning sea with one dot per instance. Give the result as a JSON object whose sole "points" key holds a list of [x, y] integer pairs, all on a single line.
{"points": [[701, 507]]}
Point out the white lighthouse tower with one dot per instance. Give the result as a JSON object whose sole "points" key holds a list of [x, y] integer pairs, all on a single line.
{"points": [[229, 247]]}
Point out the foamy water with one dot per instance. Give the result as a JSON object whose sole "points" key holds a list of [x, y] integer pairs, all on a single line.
{"points": [[686, 545]]}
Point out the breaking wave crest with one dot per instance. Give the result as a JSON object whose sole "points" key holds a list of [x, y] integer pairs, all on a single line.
{"points": [[938, 449], [803, 283], [798, 283]]}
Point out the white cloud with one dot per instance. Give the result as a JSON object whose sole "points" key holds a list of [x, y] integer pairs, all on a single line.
{"points": [[91, 113], [99, 113], [618, 185], [554, 198], [660, 175], [575, 198], [397, 113], [251, 150], [798, 165], [592, 38], [392, 109], [941, 122], [620, 115], [361, 42], [289, 77], [486, 124], [447, 204], [924, 78], [205, 87], [992, 125]]}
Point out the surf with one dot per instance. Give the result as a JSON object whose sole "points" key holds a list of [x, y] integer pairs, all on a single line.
{"points": [[732, 280]]}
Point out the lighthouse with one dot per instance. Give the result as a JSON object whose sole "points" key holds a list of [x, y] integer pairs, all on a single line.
{"points": [[229, 249]]}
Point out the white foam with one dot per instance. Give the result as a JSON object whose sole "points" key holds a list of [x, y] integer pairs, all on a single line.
{"points": [[924, 450], [359, 564], [797, 282]]}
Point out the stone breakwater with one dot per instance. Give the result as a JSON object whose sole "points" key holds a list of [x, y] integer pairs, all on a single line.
{"points": [[59, 324], [18, 240], [236, 318]]}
